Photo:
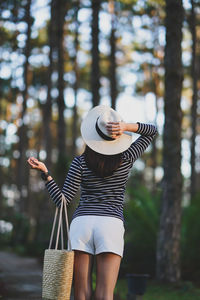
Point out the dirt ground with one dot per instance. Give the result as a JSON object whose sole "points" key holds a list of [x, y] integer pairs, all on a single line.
{"points": [[20, 277]]}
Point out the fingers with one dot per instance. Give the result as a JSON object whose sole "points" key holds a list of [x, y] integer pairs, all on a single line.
{"points": [[36, 164], [33, 162], [114, 129], [115, 136], [113, 126]]}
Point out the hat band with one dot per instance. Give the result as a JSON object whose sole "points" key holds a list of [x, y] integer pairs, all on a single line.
{"points": [[104, 136]]}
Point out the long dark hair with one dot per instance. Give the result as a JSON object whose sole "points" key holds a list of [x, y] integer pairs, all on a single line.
{"points": [[101, 164]]}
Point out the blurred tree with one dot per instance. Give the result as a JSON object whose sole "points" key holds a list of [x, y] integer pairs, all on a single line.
{"points": [[47, 107], [152, 70], [95, 69], [58, 13], [113, 41], [8, 93], [22, 172], [168, 246], [198, 103], [61, 10], [76, 81], [194, 75], [156, 79]]}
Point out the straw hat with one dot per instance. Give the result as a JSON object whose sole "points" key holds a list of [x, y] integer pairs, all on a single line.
{"points": [[96, 136]]}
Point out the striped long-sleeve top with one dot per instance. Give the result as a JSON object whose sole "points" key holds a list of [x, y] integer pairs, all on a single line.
{"points": [[101, 196]]}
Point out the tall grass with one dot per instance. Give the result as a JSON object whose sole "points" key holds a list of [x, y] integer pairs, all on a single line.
{"points": [[156, 291]]}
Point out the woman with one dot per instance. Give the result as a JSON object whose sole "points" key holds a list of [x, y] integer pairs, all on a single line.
{"points": [[101, 172]]}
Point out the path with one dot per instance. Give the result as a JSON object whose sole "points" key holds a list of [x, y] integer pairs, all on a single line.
{"points": [[20, 277]]}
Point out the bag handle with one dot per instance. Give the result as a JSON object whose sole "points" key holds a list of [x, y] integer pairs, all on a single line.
{"points": [[60, 225]]}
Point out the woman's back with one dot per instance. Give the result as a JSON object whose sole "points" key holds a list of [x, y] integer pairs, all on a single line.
{"points": [[101, 196]]}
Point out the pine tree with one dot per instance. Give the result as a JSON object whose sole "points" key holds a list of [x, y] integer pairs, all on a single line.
{"points": [[168, 245]]}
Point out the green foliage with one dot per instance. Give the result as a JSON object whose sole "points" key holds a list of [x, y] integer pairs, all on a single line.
{"points": [[156, 291], [191, 240], [17, 238], [128, 2], [61, 167], [181, 291], [39, 76], [6, 37], [141, 222], [156, 2], [5, 239], [41, 39]]}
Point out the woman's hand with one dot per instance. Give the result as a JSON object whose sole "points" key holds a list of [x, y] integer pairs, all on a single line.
{"points": [[116, 129], [36, 164]]}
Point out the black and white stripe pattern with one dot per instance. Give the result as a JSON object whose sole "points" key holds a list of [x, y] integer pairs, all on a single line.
{"points": [[101, 196]]}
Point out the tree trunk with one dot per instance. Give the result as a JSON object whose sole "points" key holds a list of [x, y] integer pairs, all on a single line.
{"points": [[47, 108], [113, 80], [154, 152], [168, 245], [1, 196], [155, 77], [23, 172], [61, 11], [192, 23], [76, 83], [95, 72]]}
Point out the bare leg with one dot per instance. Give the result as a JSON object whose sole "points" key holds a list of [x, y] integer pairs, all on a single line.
{"points": [[82, 275], [107, 272]]}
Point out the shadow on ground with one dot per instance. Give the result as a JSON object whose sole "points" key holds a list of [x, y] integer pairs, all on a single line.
{"points": [[20, 277]]}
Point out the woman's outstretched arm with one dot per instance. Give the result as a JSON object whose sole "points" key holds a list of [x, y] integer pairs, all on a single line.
{"points": [[71, 184], [38, 165]]}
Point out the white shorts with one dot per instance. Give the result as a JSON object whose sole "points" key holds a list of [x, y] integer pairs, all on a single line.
{"points": [[97, 234]]}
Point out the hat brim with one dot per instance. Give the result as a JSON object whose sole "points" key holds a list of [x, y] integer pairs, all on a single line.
{"points": [[97, 143]]}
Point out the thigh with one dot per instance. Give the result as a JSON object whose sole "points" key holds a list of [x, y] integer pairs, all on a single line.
{"points": [[107, 265], [83, 263]]}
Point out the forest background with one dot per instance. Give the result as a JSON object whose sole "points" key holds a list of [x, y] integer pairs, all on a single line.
{"points": [[60, 58]]}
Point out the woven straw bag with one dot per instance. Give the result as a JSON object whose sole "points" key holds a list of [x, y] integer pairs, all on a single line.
{"points": [[58, 264]]}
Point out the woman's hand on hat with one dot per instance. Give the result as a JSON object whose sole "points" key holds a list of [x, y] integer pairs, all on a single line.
{"points": [[115, 129], [36, 164]]}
